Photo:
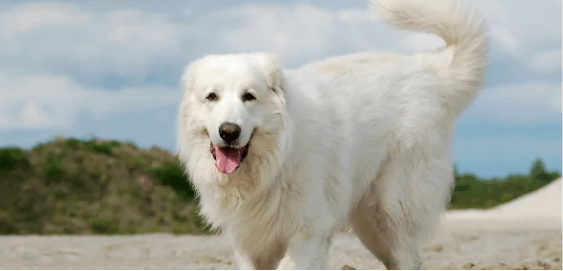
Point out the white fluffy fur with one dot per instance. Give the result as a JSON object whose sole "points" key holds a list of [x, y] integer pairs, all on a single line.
{"points": [[358, 140]]}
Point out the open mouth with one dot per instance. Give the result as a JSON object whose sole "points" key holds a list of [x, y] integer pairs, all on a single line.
{"points": [[228, 159]]}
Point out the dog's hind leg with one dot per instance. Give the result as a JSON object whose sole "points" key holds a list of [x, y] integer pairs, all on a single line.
{"points": [[401, 209], [382, 237]]}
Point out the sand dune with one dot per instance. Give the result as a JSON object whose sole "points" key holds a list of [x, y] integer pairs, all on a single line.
{"points": [[544, 203], [539, 209]]}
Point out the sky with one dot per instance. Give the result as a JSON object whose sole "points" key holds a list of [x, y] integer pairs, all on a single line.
{"points": [[112, 68]]}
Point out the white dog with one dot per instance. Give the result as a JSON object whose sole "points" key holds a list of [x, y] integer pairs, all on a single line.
{"points": [[281, 158]]}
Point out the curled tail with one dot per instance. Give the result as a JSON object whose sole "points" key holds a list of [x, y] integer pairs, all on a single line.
{"points": [[464, 32]]}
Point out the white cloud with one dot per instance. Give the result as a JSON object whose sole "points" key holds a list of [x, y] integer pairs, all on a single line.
{"points": [[292, 32], [129, 41], [530, 102], [547, 61], [60, 40], [36, 15], [38, 36], [136, 28], [355, 16], [41, 101], [524, 29], [188, 12], [303, 32]]}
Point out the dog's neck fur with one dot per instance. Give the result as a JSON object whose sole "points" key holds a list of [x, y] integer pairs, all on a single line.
{"points": [[251, 196]]}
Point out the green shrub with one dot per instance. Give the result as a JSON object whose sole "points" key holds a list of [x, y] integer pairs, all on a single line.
{"points": [[132, 161], [180, 228], [77, 182], [115, 143], [40, 146], [7, 226], [153, 229], [10, 157], [173, 175], [104, 148], [73, 143], [131, 144], [54, 169], [104, 225], [131, 229]]}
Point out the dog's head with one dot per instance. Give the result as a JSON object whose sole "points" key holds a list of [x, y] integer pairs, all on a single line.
{"points": [[234, 109]]}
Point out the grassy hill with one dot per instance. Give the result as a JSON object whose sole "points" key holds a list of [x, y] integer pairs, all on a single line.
{"points": [[71, 186], [94, 187]]}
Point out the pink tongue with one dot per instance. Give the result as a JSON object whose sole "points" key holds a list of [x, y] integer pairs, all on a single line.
{"points": [[227, 161]]}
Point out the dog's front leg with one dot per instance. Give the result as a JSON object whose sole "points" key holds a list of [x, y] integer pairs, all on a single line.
{"points": [[258, 256], [244, 261], [307, 250]]}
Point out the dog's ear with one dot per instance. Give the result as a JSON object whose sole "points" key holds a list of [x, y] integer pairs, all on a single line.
{"points": [[271, 66], [188, 78]]}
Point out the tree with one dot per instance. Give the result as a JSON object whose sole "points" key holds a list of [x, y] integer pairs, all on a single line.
{"points": [[538, 167], [538, 176]]}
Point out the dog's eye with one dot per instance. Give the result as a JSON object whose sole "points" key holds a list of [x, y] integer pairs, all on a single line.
{"points": [[212, 97], [248, 97]]}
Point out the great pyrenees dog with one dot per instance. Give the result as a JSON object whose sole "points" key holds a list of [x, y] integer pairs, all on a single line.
{"points": [[282, 158]]}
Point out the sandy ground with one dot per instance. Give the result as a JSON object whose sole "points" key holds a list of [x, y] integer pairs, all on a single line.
{"points": [[529, 249], [524, 234]]}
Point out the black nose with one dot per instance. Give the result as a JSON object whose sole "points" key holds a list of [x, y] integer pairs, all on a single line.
{"points": [[229, 132]]}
